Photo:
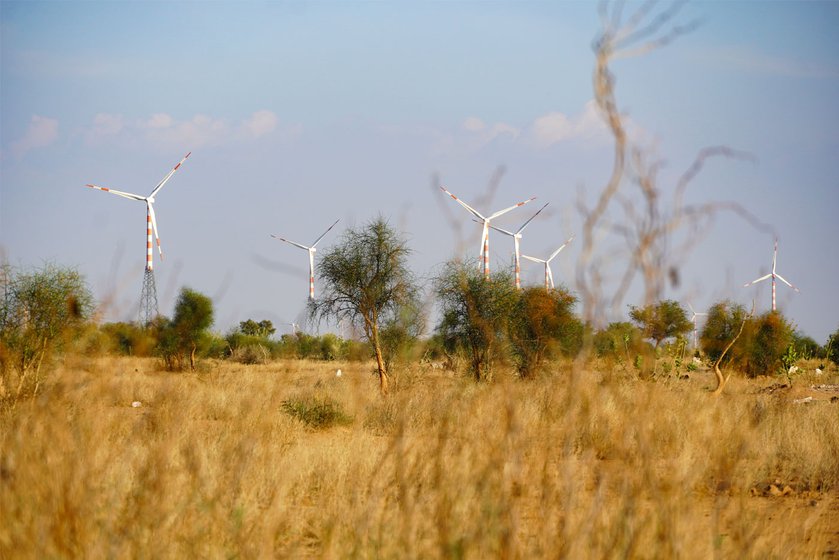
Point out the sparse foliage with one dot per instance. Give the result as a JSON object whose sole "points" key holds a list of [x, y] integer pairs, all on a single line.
{"points": [[724, 321], [543, 325], [262, 329], [367, 282], [39, 312], [475, 313], [661, 321]]}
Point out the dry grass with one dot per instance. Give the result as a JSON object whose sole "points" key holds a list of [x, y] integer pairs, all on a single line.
{"points": [[584, 466]]}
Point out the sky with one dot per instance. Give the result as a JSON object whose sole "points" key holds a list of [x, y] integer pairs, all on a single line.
{"points": [[300, 113]]}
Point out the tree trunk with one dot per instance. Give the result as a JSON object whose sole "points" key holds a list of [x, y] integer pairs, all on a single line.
{"points": [[722, 380], [192, 357], [380, 363]]}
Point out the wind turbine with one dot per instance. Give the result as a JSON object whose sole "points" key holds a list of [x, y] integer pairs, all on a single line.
{"points": [[516, 243], [695, 315], [148, 297], [312, 250], [485, 220], [772, 275], [549, 277]]}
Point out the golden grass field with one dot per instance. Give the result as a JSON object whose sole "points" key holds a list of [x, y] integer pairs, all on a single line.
{"points": [[591, 465]]}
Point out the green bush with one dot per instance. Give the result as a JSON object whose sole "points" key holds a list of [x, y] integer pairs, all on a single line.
{"points": [[771, 335], [317, 411]]}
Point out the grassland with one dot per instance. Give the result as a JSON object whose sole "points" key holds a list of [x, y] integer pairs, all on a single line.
{"points": [[227, 464]]}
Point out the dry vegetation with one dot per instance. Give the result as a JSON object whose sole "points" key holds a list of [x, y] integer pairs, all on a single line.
{"points": [[592, 465]]}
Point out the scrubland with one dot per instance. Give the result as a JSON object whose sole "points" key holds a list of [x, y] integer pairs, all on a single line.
{"points": [[249, 462]]}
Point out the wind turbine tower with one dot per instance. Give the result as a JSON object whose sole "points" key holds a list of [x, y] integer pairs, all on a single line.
{"points": [[485, 221], [517, 243], [312, 250], [772, 275], [148, 295], [549, 277], [695, 315]]}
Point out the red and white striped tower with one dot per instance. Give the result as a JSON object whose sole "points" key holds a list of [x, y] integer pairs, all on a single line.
{"points": [[485, 222], [148, 296], [773, 275], [517, 244], [549, 277]]}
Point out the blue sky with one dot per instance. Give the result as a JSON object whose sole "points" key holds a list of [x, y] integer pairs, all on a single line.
{"points": [[297, 114]]}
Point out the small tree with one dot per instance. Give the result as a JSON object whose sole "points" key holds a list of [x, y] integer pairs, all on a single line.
{"points": [[476, 312], [831, 348], [725, 320], [772, 335], [262, 329], [367, 282], [542, 324], [39, 312], [663, 320], [182, 335]]}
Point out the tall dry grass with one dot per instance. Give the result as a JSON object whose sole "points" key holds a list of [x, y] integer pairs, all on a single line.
{"points": [[586, 466]]}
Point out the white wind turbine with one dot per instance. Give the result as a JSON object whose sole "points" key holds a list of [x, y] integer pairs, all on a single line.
{"points": [[549, 277], [695, 315], [148, 296], [773, 275], [312, 250], [517, 243], [485, 221]]}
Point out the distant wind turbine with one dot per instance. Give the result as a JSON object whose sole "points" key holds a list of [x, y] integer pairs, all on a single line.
{"points": [[312, 250], [695, 315], [772, 275], [549, 277], [517, 243], [485, 221], [148, 297]]}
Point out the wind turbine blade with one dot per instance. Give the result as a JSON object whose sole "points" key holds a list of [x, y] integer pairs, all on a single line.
{"points": [[324, 233], [781, 278], [761, 279], [534, 259], [291, 242], [168, 176], [775, 256], [504, 231], [469, 208], [154, 228], [524, 225], [513, 207], [118, 193], [550, 274], [555, 253], [691, 309]]}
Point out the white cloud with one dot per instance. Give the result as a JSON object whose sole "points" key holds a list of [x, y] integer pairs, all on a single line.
{"points": [[555, 127], [41, 132], [260, 123], [164, 130], [473, 124]]}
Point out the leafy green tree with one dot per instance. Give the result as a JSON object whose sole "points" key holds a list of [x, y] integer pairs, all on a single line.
{"points": [[660, 321], [475, 313], [723, 324], [771, 336], [367, 282], [262, 329], [831, 349], [543, 325], [39, 312], [182, 336], [620, 340], [806, 347]]}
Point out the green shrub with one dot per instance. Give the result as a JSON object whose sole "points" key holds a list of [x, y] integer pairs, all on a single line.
{"points": [[317, 411]]}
